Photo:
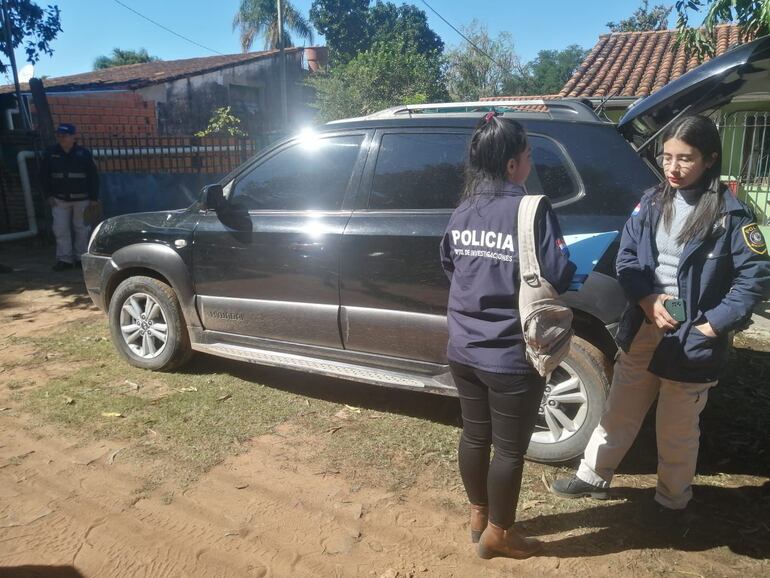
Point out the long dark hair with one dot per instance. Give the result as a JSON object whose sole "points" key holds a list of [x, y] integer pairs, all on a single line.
{"points": [[701, 133], [495, 141]]}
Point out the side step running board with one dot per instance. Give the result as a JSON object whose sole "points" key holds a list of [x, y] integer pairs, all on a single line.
{"points": [[337, 369]]}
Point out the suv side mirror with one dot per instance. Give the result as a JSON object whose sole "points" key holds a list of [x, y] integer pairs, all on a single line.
{"points": [[214, 196]]}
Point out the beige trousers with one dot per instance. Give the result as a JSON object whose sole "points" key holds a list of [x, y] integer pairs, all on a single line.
{"points": [[69, 222], [676, 423]]}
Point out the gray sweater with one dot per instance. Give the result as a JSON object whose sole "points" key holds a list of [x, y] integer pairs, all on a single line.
{"points": [[669, 251]]}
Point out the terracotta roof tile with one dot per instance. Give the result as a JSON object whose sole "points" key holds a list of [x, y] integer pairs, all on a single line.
{"points": [[134, 76], [635, 64], [532, 108]]}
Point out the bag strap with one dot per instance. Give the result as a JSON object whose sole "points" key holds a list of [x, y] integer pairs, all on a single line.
{"points": [[529, 268]]}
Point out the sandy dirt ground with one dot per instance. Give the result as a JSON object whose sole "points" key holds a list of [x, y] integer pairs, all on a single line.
{"points": [[75, 507]]}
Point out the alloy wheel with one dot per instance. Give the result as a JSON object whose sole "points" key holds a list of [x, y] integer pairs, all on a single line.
{"points": [[143, 325]]}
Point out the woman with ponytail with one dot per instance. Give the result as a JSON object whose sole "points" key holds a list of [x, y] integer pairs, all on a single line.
{"points": [[499, 391]]}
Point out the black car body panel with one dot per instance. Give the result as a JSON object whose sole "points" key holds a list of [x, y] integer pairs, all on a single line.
{"points": [[363, 280]]}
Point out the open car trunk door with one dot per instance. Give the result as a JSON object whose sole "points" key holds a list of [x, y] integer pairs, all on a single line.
{"points": [[737, 73]]}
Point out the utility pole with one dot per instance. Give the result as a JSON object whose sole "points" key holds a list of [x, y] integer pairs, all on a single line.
{"points": [[282, 56], [12, 58]]}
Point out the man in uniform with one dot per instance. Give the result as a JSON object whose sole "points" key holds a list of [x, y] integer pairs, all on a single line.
{"points": [[71, 185]]}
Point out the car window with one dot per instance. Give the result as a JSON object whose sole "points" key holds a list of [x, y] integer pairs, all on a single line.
{"points": [[312, 174], [419, 171], [425, 171], [551, 173]]}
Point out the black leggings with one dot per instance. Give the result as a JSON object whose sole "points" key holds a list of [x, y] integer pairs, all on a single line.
{"points": [[501, 410]]}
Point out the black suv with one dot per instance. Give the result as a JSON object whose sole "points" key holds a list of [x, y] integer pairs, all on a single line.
{"points": [[321, 253]]}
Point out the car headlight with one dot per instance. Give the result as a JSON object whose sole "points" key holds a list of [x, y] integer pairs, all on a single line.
{"points": [[93, 236]]}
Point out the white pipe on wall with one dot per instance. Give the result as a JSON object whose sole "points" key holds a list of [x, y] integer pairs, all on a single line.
{"points": [[29, 205], [9, 112]]}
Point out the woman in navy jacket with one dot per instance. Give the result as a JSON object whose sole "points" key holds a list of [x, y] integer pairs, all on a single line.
{"points": [[688, 239], [499, 390]]}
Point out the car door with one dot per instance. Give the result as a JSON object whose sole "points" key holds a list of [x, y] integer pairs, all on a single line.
{"points": [[266, 264], [394, 292]]}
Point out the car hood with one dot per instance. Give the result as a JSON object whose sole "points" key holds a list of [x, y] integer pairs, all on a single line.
{"points": [[738, 72]]}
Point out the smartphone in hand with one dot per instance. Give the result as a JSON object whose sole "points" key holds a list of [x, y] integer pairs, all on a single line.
{"points": [[676, 309]]}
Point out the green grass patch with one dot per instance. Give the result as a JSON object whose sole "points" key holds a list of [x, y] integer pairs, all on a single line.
{"points": [[195, 418], [390, 449]]}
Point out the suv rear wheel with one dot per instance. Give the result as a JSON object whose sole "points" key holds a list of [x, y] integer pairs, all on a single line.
{"points": [[147, 325], [572, 404]]}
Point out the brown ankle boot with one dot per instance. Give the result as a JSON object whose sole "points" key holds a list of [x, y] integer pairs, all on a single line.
{"points": [[508, 543], [479, 518]]}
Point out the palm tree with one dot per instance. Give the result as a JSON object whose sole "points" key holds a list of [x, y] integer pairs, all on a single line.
{"points": [[260, 18]]}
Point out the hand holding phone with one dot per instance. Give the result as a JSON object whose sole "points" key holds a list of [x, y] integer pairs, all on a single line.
{"points": [[676, 308], [656, 311]]}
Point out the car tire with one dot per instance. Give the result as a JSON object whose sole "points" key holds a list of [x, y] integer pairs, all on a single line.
{"points": [[584, 375], [147, 325]]}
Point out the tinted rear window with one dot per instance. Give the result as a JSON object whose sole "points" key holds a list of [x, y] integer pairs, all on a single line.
{"points": [[426, 171], [419, 171]]}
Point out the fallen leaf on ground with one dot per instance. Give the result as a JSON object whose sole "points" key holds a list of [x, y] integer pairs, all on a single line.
{"points": [[225, 397], [68, 401], [111, 459], [188, 389], [112, 414]]}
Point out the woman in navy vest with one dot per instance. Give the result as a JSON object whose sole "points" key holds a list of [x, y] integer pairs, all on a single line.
{"points": [[499, 390], [688, 239]]}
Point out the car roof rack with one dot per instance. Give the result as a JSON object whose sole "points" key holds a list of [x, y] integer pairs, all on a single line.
{"points": [[562, 108]]}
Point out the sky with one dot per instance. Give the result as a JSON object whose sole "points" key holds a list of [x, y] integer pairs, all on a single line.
{"points": [[91, 28]]}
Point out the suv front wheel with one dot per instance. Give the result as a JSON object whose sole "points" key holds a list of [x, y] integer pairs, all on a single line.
{"points": [[572, 404], [147, 325]]}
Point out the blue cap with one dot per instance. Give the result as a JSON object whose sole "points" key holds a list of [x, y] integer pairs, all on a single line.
{"points": [[65, 128]]}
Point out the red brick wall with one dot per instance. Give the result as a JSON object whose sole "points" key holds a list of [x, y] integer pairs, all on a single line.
{"points": [[105, 114]]}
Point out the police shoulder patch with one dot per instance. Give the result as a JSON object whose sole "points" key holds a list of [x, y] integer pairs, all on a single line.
{"points": [[754, 238]]}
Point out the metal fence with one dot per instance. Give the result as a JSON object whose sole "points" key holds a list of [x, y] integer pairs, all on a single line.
{"points": [[746, 154], [172, 154]]}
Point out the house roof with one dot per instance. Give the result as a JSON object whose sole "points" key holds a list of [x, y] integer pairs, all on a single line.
{"points": [[133, 76], [531, 108], [636, 64]]}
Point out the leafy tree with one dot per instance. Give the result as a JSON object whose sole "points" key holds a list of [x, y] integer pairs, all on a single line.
{"points": [[31, 26], [354, 26], [344, 24], [388, 21], [388, 74], [753, 17], [548, 72], [472, 75], [223, 122], [643, 19], [260, 18], [120, 57]]}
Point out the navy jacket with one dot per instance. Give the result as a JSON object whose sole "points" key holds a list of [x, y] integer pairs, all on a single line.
{"points": [[69, 176], [479, 253], [721, 279]]}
